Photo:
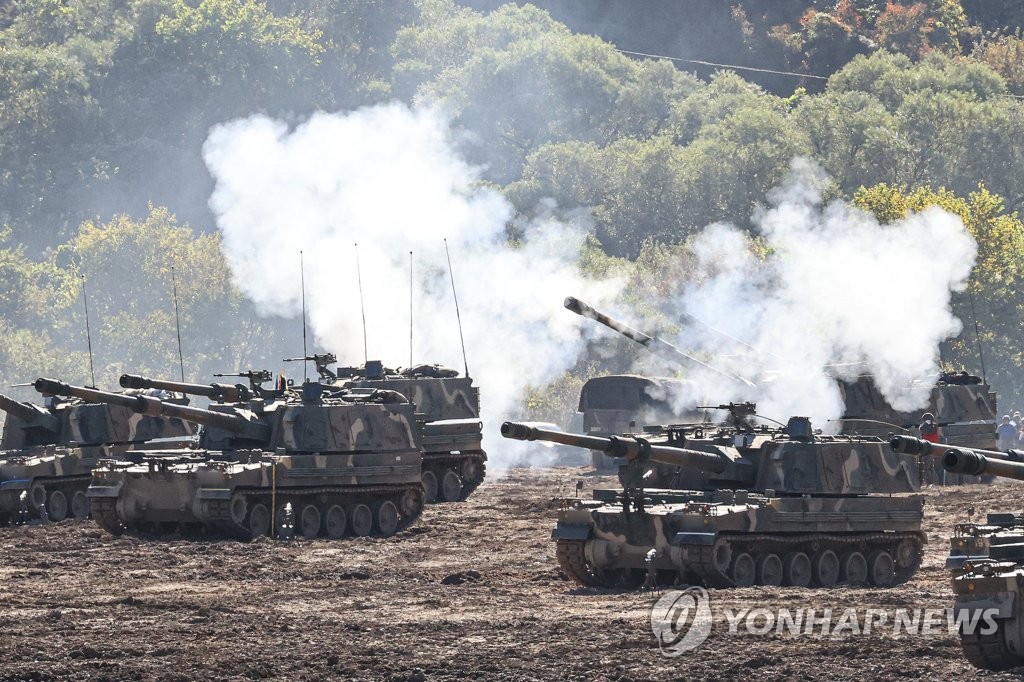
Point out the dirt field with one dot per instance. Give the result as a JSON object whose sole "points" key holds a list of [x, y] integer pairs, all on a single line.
{"points": [[471, 591]]}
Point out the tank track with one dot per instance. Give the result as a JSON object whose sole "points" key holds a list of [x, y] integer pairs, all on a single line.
{"points": [[704, 566], [572, 559], [221, 522], [104, 512], [989, 652], [438, 462], [69, 485]]}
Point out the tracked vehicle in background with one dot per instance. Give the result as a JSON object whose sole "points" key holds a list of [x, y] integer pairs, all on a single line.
{"points": [[756, 506], [964, 406], [313, 463], [47, 453], [454, 461]]}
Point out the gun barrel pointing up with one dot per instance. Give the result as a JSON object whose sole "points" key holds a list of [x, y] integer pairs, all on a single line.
{"points": [[657, 346]]}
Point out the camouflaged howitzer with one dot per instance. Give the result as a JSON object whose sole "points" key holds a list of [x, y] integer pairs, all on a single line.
{"points": [[786, 507], [313, 464], [454, 461], [987, 562], [47, 453]]}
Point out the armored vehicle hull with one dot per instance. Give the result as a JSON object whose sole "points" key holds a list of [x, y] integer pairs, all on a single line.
{"points": [[738, 540], [261, 493]]}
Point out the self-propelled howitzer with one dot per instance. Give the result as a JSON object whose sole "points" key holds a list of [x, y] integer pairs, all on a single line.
{"points": [[318, 465], [47, 452], [780, 507], [987, 570]]}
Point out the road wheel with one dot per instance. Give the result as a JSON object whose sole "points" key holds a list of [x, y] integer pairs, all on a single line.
{"points": [[385, 515], [57, 507], [881, 569], [796, 570], [259, 520], [451, 486], [429, 486], [743, 572], [80, 505], [309, 521], [769, 570], [853, 568], [335, 521], [826, 568], [360, 519]]}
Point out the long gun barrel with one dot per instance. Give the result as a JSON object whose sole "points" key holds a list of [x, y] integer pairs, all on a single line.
{"points": [[974, 463], [224, 392], [620, 446], [657, 346], [908, 445], [152, 406], [30, 414]]}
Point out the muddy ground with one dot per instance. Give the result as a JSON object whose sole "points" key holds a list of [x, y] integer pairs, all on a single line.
{"points": [[76, 603]]}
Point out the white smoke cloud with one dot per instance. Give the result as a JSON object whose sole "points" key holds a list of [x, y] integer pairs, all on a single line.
{"points": [[837, 294], [389, 178]]}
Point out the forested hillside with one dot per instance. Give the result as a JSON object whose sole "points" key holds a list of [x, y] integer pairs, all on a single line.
{"points": [[105, 106]]}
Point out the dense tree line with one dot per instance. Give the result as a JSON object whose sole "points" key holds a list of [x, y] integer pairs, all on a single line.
{"points": [[105, 104]]}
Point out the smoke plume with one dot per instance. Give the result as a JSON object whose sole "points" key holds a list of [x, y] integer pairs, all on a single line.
{"points": [[834, 295], [389, 179]]}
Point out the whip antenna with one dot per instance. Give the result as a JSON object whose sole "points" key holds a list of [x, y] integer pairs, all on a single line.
{"points": [[977, 336], [177, 323], [88, 333], [410, 308], [458, 317], [362, 306], [302, 284]]}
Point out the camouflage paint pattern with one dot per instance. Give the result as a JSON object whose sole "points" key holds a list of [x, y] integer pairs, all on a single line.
{"points": [[57, 448], [330, 449]]}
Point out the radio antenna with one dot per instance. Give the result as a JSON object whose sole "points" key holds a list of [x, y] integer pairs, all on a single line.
{"points": [[362, 306], [410, 308], [88, 332], [977, 336], [177, 323], [458, 317], [302, 284]]}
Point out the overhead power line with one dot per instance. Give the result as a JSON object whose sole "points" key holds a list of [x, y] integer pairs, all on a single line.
{"points": [[725, 66], [736, 67]]}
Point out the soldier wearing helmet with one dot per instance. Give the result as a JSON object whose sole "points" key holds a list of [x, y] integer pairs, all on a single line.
{"points": [[930, 428]]}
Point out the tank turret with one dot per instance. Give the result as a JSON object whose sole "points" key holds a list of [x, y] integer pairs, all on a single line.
{"points": [[30, 415], [221, 392]]}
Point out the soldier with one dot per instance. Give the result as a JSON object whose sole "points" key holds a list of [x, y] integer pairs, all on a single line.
{"points": [[929, 429], [1007, 434]]}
